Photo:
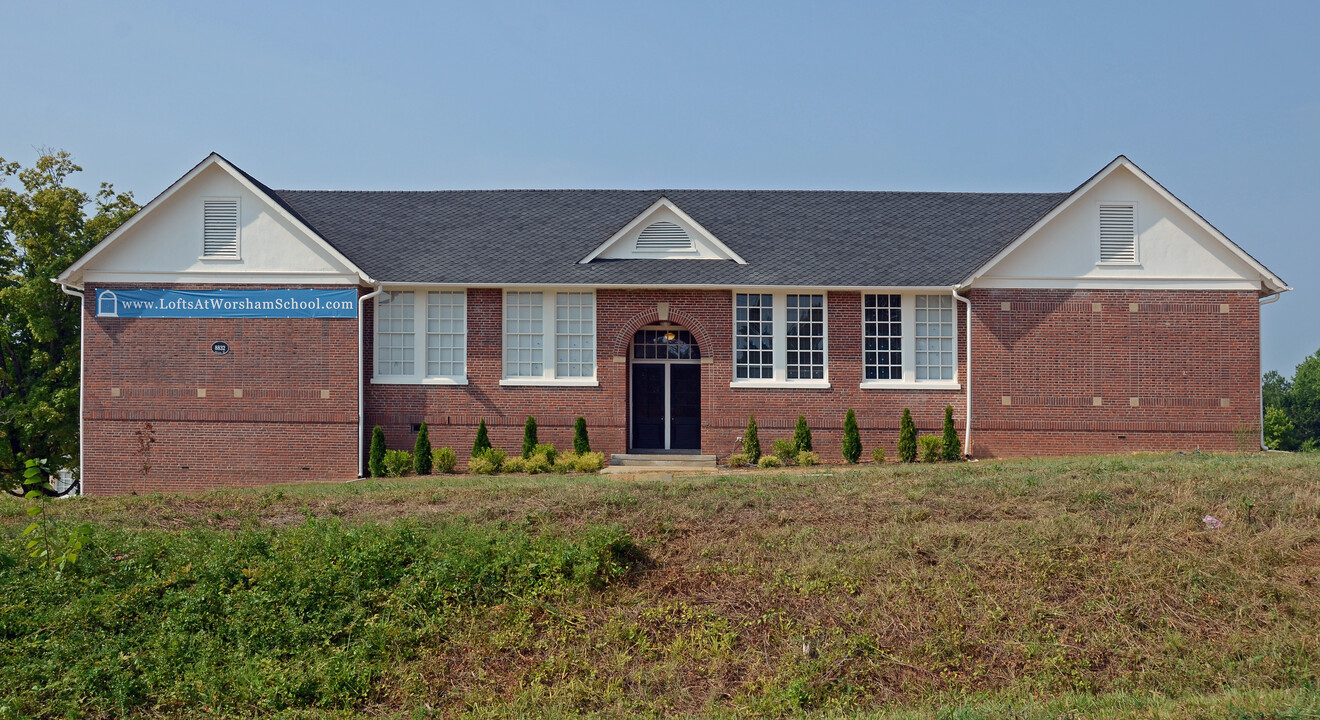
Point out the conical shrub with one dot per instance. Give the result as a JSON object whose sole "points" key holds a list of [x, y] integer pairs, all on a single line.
{"points": [[376, 459], [581, 444], [852, 438], [802, 435], [751, 441], [529, 437], [951, 449], [422, 452], [482, 443], [907, 438]]}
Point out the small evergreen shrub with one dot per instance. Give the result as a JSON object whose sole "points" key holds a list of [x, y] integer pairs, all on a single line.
{"points": [[376, 459], [482, 443], [489, 462], [907, 438], [852, 438], [398, 463], [878, 455], [564, 463], [514, 464], [951, 447], [589, 462], [930, 448], [751, 441], [444, 460], [422, 460], [785, 450], [529, 437], [807, 458], [802, 434], [769, 461], [738, 460], [547, 450], [580, 442], [537, 464]]}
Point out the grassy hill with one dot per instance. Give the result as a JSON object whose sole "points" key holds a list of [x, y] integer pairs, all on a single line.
{"points": [[1083, 587]]}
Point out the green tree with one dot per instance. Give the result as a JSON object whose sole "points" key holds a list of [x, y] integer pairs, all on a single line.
{"points": [[581, 444], [1274, 389], [950, 445], [802, 434], [422, 452], [907, 438], [482, 443], [852, 438], [1279, 431], [529, 437], [376, 458], [751, 441], [1303, 402], [44, 226]]}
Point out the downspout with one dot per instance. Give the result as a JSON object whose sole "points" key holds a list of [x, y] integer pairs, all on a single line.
{"points": [[82, 370], [1260, 365], [967, 431], [362, 403]]}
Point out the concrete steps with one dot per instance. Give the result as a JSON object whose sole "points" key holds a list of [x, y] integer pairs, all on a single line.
{"points": [[634, 463]]}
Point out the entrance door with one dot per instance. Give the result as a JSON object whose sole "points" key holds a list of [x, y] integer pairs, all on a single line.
{"points": [[666, 391]]}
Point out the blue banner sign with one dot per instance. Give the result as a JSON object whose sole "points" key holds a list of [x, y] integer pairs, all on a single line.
{"points": [[291, 303]]}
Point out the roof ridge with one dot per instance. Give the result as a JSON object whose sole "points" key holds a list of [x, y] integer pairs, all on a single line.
{"points": [[665, 190]]}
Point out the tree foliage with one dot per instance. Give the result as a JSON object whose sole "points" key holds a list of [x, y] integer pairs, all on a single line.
{"points": [[482, 442], [950, 445], [1292, 407], [422, 451], [581, 444], [376, 456], [45, 225], [851, 447], [529, 437], [752, 441], [907, 438], [802, 435]]}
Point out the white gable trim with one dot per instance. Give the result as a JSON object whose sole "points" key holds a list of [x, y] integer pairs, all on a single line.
{"points": [[665, 203], [214, 159], [1270, 281]]}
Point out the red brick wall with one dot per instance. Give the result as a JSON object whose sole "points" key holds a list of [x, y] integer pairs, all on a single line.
{"points": [[281, 429], [1193, 368]]}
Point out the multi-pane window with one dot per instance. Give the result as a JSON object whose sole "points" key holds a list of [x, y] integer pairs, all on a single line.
{"points": [[575, 334], [882, 327], [933, 337], [395, 337], [805, 337], [446, 334], [753, 356], [524, 334], [665, 345]]}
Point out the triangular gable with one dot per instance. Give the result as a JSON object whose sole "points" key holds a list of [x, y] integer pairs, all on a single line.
{"points": [[1270, 281], [663, 215], [73, 274]]}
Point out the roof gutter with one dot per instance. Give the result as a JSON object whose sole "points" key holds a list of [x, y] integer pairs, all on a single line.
{"points": [[361, 386], [1260, 365], [967, 430], [82, 368]]}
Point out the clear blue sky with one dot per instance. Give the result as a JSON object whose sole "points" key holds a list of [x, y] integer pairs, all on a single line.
{"points": [[1219, 102]]}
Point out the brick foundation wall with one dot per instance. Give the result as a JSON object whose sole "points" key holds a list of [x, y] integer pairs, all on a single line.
{"points": [[142, 379]]}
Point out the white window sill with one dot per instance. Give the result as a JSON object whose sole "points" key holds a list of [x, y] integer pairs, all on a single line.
{"points": [[912, 385], [550, 382], [387, 380], [780, 384], [220, 258]]}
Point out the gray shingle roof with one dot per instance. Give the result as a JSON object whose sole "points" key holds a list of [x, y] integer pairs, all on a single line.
{"points": [[793, 238]]}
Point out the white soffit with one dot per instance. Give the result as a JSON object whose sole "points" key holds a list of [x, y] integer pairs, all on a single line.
{"points": [[663, 231], [1269, 281]]}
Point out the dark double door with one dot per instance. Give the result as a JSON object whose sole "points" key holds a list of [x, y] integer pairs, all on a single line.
{"points": [[666, 406]]}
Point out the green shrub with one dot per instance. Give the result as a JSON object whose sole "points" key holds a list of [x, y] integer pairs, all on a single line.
{"points": [[950, 446], [547, 450], [398, 463], [444, 460], [514, 464], [930, 448], [537, 464], [852, 438], [490, 461], [482, 443], [376, 460], [807, 458], [769, 461], [785, 450], [738, 460], [422, 460], [564, 463], [751, 441], [529, 437], [589, 462], [907, 438], [802, 435], [580, 442], [878, 455]]}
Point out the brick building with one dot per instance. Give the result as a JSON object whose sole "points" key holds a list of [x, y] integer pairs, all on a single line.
{"points": [[234, 334]]}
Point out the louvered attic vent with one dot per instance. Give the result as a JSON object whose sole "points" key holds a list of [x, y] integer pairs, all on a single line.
{"points": [[1118, 234], [220, 228], [663, 235]]}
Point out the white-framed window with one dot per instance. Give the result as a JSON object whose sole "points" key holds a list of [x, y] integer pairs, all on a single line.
{"points": [[220, 227], [909, 340], [421, 337], [549, 337], [780, 340]]}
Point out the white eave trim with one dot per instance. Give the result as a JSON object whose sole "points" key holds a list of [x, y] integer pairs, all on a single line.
{"points": [[665, 203], [1270, 281], [212, 159]]}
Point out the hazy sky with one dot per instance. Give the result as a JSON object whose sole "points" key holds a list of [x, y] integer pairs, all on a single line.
{"points": [[1218, 102]]}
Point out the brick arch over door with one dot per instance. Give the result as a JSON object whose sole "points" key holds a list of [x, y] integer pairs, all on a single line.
{"points": [[623, 340]]}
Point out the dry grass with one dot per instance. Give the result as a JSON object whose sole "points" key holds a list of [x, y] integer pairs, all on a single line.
{"points": [[868, 589]]}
